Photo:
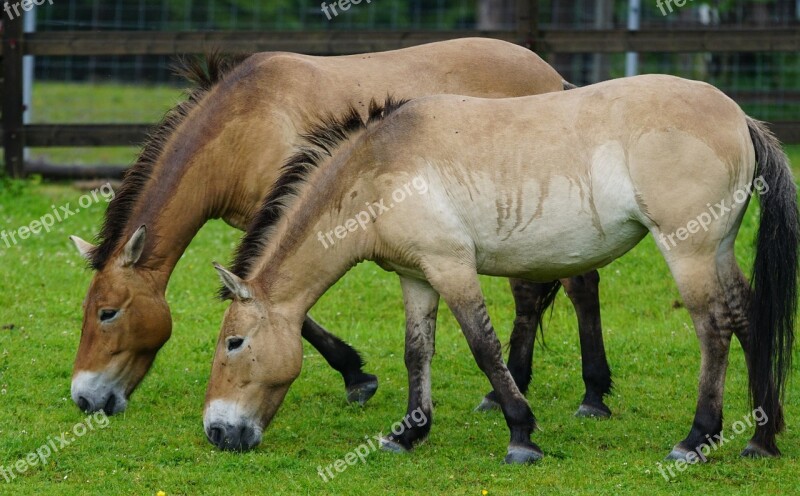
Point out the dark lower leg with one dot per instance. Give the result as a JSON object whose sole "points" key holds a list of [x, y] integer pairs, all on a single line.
{"points": [[584, 293], [485, 346], [458, 284], [421, 306], [342, 358], [714, 339], [706, 428], [763, 441], [531, 300]]}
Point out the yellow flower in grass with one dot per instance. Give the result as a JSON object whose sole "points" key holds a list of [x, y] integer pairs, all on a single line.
{"points": [[484, 492], [161, 493]]}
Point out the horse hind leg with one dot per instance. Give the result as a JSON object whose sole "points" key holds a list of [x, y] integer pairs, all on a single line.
{"points": [[698, 279], [531, 301], [727, 314], [739, 297], [584, 292]]}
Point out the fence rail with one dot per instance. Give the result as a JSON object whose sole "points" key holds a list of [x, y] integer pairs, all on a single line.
{"points": [[15, 44], [90, 135], [98, 43]]}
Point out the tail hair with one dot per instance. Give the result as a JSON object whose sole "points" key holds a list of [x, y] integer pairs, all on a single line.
{"points": [[774, 279]]}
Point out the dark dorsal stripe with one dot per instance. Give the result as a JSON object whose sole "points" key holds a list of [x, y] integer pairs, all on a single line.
{"points": [[204, 73], [319, 143]]}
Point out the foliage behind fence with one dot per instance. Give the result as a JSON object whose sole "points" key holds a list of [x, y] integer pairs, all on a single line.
{"points": [[765, 81]]}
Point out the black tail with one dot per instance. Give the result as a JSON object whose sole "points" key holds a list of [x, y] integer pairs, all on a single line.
{"points": [[774, 280], [546, 302]]}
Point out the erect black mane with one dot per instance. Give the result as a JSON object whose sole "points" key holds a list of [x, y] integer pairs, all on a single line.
{"points": [[319, 143], [203, 73]]}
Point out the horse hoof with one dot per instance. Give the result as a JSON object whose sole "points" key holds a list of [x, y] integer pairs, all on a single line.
{"points": [[753, 450], [523, 454], [392, 446], [487, 405], [586, 410], [361, 393], [679, 453]]}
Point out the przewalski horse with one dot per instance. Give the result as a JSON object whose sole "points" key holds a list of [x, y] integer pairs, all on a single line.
{"points": [[584, 175], [218, 154]]}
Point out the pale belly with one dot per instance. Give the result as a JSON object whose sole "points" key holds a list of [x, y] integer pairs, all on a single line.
{"points": [[541, 254], [536, 228], [567, 228]]}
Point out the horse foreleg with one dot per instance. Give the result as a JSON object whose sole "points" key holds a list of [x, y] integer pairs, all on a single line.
{"points": [[343, 358], [529, 298], [421, 305], [459, 286]]}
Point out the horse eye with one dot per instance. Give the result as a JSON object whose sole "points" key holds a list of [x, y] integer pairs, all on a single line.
{"points": [[107, 314], [234, 343]]}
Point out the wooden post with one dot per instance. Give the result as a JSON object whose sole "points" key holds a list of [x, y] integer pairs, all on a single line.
{"points": [[13, 128], [528, 23]]}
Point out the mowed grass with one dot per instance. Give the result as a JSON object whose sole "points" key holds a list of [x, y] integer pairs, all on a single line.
{"points": [[158, 443]]}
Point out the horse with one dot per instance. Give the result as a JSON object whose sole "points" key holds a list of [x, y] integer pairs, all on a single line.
{"points": [[447, 187], [218, 153]]}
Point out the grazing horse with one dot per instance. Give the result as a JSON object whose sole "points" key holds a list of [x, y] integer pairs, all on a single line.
{"points": [[543, 187], [218, 154]]}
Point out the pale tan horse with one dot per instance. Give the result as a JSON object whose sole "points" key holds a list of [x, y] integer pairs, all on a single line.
{"points": [[217, 155], [582, 177]]}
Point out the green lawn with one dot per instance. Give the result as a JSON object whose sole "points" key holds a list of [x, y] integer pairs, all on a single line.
{"points": [[158, 443]]}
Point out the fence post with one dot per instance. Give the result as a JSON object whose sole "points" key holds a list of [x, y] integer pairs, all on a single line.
{"points": [[528, 23], [13, 107]]}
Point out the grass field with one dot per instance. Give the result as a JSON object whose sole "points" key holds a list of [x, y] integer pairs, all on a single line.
{"points": [[158, 443]]}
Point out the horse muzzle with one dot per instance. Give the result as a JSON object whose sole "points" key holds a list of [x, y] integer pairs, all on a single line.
{"points": [[92, 393]]}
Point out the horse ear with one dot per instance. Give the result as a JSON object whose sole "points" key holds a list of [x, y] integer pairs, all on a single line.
{"points": [[238, 288], [85, 248], [134, 248]]}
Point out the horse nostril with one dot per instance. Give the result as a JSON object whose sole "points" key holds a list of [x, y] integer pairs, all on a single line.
{"points": [[84, 404], [109, 406], [215, 435], [244, 435]]}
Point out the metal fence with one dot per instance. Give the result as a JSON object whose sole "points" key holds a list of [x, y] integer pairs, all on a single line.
{"points": [[748, 49]]}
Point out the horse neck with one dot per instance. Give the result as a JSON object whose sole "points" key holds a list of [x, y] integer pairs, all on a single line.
{"points": [[300, 263], [200, 179]]}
